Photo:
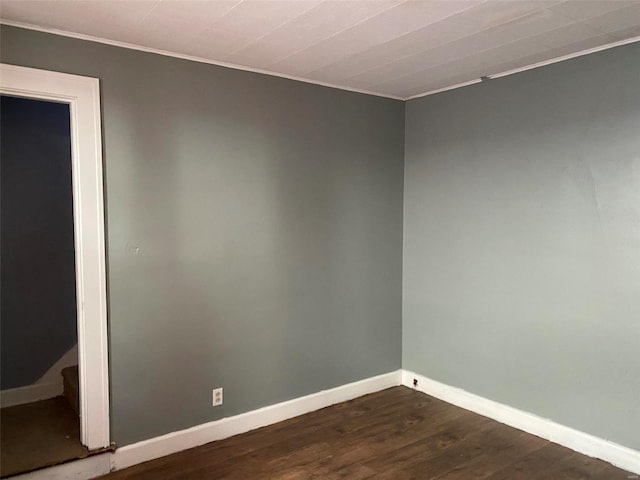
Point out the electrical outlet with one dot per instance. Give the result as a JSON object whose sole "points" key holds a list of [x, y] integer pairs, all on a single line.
{"points": [[217, 396]]}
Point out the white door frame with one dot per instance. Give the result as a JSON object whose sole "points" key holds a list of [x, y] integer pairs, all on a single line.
{"points": [[82, 94]]}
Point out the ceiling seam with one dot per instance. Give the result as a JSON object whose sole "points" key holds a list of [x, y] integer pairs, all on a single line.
{"points": [[457, 40], [192, 58], [251, 43], [341, 31], [144, 17], [310, 81], [431, 67], [395, 38]]}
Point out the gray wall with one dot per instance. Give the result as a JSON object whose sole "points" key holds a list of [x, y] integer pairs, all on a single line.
{"points": [[254, 236], [38, 307], [254, 232], [522, 241]]}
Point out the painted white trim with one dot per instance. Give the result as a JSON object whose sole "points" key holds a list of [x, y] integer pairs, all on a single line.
{"points": [[567, 57], [30, 393], [227, 427], [84, 469], [192, 58], [245, 68], [618, 455], [588, 51], [445, 89], [83, 96], [54, 374]]}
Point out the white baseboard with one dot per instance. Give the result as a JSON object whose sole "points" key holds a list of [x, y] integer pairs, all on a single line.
{"points": [[618, 455], [227, 427], [30, 393], [84, 469]]}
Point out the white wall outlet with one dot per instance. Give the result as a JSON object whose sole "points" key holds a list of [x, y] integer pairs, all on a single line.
{"points": [[217, 397]]}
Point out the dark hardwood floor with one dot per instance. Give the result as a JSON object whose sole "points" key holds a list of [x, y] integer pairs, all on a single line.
{"points": [[395, 434]]}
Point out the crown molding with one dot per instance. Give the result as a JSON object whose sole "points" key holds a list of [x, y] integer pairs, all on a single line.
{"points": [[166, 53]]}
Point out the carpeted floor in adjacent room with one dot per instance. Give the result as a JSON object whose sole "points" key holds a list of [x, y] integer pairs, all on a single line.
{"points": [[39, 434]]}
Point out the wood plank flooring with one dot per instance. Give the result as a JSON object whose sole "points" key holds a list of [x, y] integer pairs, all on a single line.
{"points": [[395, 434]]}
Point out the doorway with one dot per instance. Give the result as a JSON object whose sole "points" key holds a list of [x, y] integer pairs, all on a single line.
{"points": [[40, 424], [79, 97]]}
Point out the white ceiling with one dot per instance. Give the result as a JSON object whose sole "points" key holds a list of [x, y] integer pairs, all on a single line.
{"points": [[398, 48]]}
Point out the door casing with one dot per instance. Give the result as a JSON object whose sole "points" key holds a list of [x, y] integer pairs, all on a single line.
{"points": [[82, 94]]}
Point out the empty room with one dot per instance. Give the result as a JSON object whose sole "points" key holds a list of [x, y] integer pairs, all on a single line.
{"points": [[320, 239]]}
